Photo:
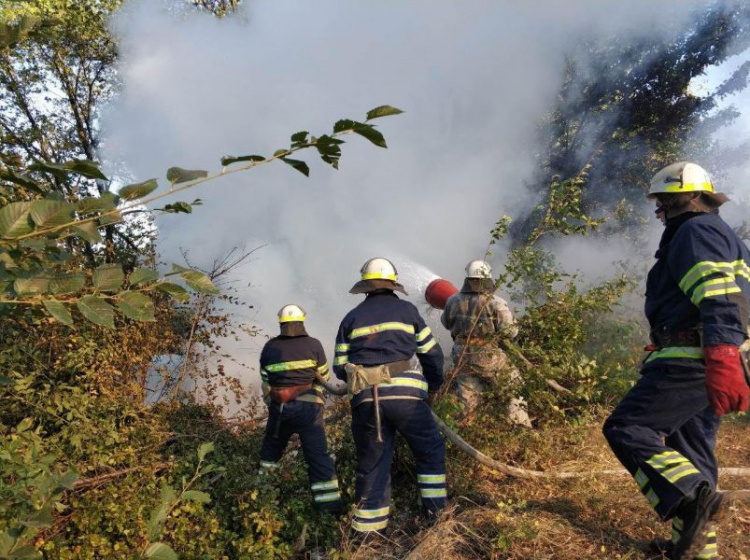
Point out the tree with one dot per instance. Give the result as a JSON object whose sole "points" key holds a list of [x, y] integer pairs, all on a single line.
{"points": [[626, 108]]}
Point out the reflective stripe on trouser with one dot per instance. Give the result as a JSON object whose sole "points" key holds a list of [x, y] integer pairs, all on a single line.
{"points": [[305, 419], [664, 433], [710, 551], [413, 420], [325, 492]]}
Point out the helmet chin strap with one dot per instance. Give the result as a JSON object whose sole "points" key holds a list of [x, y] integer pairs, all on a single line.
{"points": [[678, 204]]}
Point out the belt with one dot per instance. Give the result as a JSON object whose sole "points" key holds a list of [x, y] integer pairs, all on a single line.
{"points": [[663, 338], [282, 395]]}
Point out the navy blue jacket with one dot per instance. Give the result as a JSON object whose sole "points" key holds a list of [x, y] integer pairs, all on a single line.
{"points": [[288, 361], [701, 280], [384, 329]]}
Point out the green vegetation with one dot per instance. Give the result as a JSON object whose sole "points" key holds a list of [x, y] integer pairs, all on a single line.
{"points": [[89, 469]]}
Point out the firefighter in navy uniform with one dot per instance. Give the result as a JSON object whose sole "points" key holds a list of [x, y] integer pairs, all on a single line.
{"points": [[697, 297], [290, 365], [375, 346]]}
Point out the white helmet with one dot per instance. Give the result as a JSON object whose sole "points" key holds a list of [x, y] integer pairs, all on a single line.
{"points": [[379, 268], [478, 269], [291, 312], [681, 177]]}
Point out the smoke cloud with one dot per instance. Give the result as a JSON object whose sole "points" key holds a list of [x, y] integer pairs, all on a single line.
{"points": [[473, 78]]}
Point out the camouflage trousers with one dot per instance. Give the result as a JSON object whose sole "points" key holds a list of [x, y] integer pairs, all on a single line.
{"points": [[477, 368]]}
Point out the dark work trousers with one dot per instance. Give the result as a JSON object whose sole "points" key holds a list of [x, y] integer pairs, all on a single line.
{"points": [[411, 418], [305, 419], [664, 433]]}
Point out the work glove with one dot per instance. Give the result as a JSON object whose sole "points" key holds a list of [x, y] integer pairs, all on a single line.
{"points": [[725, 380]]}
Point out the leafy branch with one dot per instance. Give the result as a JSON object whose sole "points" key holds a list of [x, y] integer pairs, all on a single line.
{"points": [[32, 231]]}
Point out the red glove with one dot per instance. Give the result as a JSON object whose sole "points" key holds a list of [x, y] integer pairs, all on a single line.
{"points": [[725, 379]]}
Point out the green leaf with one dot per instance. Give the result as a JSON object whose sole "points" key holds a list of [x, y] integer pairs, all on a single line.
{"points": [[175, 291], [108, 277], [299, 165], [368, 131], [58, 310], [32, 285], [88, 231], [15, 220], [160, 512], [6, 381], [104, 203], [228, 160], [344, 124], [178, 175], [83, 167], [67, 480], [382, 111], [67, 283], [86, 168], [22, 180], [196, 496], [97, 311], [138, 190], [178, 207], [40, 518], [25, 552], [51, 213], [204, 449], [136, 306], [143, 276], [160, 551], [300, 137], [199, 282]]}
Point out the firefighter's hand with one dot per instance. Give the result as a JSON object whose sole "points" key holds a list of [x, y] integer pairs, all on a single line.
{"points": [[431, 398], [725, 379]]}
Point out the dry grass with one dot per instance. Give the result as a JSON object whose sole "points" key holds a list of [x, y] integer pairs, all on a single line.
{"points": [[589, 518]]}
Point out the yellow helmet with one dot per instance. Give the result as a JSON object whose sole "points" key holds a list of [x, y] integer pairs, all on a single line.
{"points": [[377, 273], [291, 312], [379, 268], [681, 177]]}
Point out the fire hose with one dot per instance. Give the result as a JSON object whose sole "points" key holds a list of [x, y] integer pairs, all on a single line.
{"points": [[517, 472]]}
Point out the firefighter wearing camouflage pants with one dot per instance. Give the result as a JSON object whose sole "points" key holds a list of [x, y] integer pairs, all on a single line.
{"points": [[477, 319]]}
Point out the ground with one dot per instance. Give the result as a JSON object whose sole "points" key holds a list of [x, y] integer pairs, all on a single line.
{"points": [[588, 518]]}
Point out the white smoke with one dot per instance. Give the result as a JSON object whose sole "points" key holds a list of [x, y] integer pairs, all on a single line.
{"points": [[474, 78]]}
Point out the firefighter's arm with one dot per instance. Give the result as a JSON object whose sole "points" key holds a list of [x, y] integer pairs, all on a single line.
{"points": [[265, 386], [322, 372], [504, 320], [429, 354], [701, 261], [341, 352]]}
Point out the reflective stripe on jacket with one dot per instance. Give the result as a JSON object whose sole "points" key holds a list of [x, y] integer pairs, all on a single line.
{"points": [[288, 361], [701, 279], [385, 329]]}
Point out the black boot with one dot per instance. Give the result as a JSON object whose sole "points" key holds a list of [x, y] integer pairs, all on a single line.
{"points": [[708, 505]]}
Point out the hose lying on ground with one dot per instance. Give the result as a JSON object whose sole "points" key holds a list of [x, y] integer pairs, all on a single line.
{"points": [[516, 472]]}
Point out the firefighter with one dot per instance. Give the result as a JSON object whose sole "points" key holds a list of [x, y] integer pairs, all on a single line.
{"points": [[290, 365], [375, 348], [479, 321], [664, 430]]}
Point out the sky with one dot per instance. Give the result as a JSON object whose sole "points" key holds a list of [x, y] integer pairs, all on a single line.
{"points": [[472, 77]]}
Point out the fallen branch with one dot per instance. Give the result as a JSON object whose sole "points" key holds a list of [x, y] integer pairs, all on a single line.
{"points": [[85, 483]]}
